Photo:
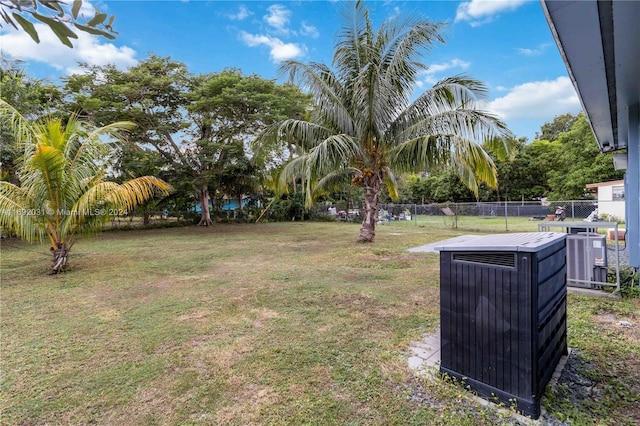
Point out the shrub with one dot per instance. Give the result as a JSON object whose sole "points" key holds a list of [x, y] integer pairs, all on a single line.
{"points": [[629, 287]]}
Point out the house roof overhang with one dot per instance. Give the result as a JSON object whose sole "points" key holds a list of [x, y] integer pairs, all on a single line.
{"points": [[599, 184], [598, 42]]}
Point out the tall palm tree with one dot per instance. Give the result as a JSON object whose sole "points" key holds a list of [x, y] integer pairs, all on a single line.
{"points": [[62, 192], [365, 125]]}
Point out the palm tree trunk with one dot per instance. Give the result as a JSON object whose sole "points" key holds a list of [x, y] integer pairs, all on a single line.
{"points": [[203, 198], [60, 258], [371, 200]]}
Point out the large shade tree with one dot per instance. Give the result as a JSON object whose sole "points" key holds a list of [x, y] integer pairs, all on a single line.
{"points": [[62, 191], [198, 124], [365, 124]]}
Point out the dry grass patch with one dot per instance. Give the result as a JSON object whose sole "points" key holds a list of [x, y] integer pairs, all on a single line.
{"points": [[287, 323]]}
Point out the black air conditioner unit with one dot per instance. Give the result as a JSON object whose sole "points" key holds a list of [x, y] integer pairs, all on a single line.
{"points": [[503, 315]]}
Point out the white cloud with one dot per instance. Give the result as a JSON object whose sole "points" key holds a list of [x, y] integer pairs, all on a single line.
{"points": [[309, 30], [534, 52], [278, 18], [540, 100], [454, 63], [87, 48], [280, 50], [430, 73], [242, 14], [480, 12]]}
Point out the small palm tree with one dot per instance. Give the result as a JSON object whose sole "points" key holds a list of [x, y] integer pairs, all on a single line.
{"points": [[365, 126], [62, 191]]}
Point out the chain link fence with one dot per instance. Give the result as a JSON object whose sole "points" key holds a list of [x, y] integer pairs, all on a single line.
{"points": [[468, 215], [574, 209]]}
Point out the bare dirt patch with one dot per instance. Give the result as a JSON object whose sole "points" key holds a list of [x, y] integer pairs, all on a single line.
{"points": [[246, 404]]}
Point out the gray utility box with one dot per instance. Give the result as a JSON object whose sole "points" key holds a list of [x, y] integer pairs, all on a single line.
{"points": [[586, 259], [503, 315]]}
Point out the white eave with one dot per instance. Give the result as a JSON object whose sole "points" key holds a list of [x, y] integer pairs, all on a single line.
{"points": [[598, 42]]}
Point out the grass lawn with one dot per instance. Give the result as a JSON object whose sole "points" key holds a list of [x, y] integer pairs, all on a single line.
{"points": [[278, 323]]}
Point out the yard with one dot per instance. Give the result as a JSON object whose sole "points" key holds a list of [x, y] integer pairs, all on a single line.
{"points": [[277, 323]]}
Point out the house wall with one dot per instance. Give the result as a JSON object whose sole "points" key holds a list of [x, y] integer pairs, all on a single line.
{"points": [[607, 205], [632, 186]]}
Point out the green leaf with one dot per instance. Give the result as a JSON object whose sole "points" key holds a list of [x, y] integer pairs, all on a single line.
{"points": [[27, 27], [94, 31], [53, 5], [24, 4], [56, 26], [75, 9], [7, 19], [97, 20], [62, 32], [89, 30]]}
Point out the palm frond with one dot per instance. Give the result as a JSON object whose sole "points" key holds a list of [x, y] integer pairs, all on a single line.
{"points": [[405, 42], [350, 51], [92, 146], [503, 147], [305, 133], [452, 93], [293, 169], [428, 152], [44, 174], [18, 213], [336, 151], [391, 183], [20, 126], [62, 192], [334, 178], [136, 191], [472, 161], [327, 92], [363, 112]]}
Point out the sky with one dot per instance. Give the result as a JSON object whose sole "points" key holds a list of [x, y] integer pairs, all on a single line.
{"points": [[506, 44]]}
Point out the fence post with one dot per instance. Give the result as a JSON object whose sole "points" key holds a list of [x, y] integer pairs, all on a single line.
{"points": [[506, 221], [573, 213]]}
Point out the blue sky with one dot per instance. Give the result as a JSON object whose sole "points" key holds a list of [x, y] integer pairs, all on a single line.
{"points": [[504, 43]]}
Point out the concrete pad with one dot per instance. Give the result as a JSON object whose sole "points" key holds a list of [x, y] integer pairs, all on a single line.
{"points": [[426, 353], [415, 363], [591, 292], [430, 248], [425, 361]]}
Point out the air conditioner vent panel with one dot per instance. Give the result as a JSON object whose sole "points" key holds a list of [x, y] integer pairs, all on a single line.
{"points": [[506, 260]]}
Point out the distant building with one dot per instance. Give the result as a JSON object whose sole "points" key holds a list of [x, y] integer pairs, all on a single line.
{"points": [[231, 204], [234, 203], [610, 198]]}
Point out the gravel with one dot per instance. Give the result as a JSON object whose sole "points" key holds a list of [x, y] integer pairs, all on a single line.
{"points": [[623, 252], [572, 386]]}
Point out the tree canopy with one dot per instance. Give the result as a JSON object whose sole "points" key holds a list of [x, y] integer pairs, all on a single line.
{"points": [[365, 126], [558, 169], [201, 125]]}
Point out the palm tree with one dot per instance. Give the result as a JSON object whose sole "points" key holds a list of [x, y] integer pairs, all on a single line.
{"points": [[62, 191], [365, 125]]}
